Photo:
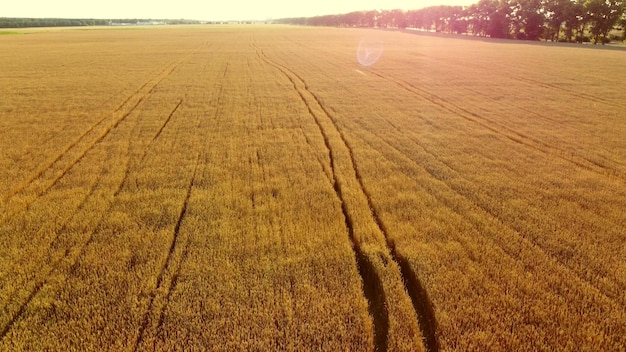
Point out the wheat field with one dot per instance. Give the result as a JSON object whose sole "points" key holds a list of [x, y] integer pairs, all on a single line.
{"points": [[255, 188]]}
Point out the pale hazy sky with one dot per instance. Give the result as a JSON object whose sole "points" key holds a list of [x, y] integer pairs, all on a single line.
{"points": [[204, 9]]}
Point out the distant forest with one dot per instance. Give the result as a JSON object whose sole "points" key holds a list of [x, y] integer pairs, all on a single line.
{"points": [[554, 20], [7, 22]]}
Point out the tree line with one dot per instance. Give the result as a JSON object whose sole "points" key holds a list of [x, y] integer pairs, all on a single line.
{"points": [[9, 22], [555, 20]]}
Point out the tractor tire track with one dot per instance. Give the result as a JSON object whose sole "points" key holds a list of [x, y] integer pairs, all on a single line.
{"points": [[149, 146], [447, 200], [168, 297], [331, 176], [419, 297], [74, 262], [49, 165], [171, 265], [57, 265], [73, 144], [93, 145], [168, 266], [611, 297], [552, 120], [588, 97], [449, 203], [169, 117], [372, 284], [20, 311], [521, 76], [422, 304], [506, 132], [73, 162], [139, 96], [53, 244]]}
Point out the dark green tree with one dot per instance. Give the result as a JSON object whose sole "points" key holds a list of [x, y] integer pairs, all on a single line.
{"points": [[558, 13], [603, 16], [491, 18], [575, 19], [528, 19], [500, 20]]}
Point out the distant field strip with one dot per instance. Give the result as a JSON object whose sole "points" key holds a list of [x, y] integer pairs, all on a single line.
{"points": [[238, 188]]}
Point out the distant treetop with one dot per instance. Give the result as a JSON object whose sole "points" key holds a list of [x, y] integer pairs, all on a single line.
{"points": [[555, 20]]}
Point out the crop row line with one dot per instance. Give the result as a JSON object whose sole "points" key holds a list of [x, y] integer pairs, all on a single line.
{"points": [[547, 118], [588, 97], [529, 241], [508, 133]]}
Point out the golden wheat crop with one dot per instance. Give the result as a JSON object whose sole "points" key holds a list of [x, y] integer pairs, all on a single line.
{"points": [[255, 188]]}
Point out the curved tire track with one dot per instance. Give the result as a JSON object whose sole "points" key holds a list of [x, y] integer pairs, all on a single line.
{"points": [[485, 210], [373, 288], [372, 285]]}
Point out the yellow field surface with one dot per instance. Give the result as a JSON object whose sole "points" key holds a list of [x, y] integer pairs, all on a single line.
{"points": [[255, 188]]}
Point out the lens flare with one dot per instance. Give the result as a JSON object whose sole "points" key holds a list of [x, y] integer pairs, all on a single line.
{"points": [[369, 51]]}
